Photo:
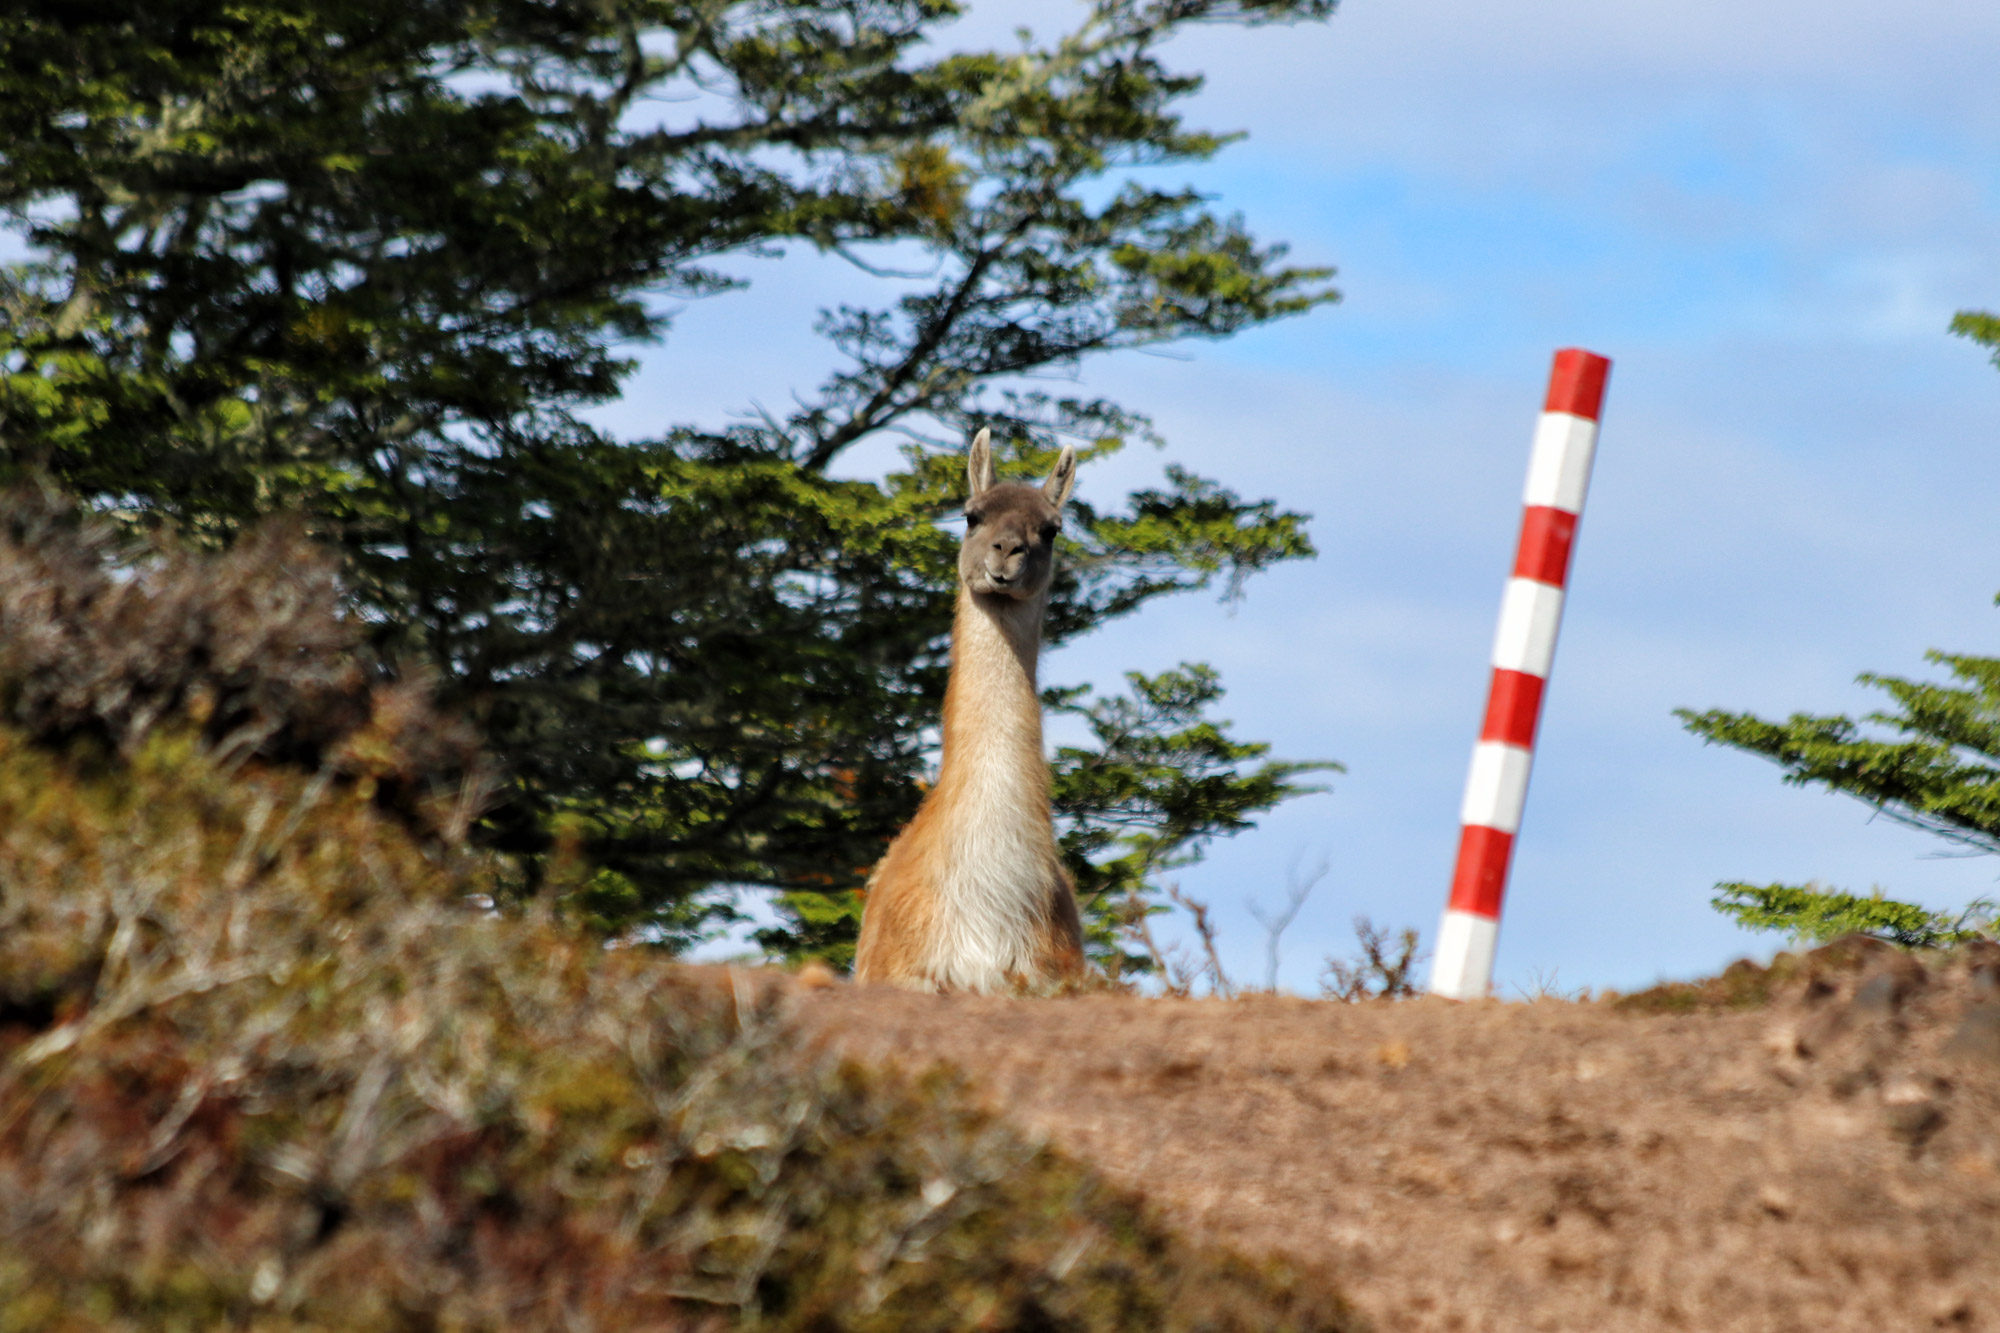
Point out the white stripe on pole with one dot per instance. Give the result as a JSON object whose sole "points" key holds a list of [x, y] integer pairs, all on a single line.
{"points": [[1524, 646], [1497, 787], [1559, 467], [1466, 945], [1530, 614]]}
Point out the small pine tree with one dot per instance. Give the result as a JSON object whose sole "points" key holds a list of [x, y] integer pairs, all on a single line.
{"points": [[1161, 781], [1937, 769]]}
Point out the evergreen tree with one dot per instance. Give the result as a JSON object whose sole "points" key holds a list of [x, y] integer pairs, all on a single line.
{"points": [[372, 262], [1935, 765]]}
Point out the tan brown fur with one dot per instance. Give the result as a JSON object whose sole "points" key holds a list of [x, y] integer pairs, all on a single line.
{"points": [[972, 895]]}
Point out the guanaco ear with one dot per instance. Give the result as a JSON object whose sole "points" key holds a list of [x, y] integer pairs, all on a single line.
{"points": [[1062, 480], [979, 465]]}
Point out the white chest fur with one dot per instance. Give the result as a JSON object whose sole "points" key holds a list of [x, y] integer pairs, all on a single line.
{"points": [[994, 917], [999, 869]]}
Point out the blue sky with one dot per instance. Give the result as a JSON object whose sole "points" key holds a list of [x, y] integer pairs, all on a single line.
{"points": [[1765, 212]]}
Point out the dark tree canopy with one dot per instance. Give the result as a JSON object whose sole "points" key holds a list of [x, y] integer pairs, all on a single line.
{"points": [[371, 262]]}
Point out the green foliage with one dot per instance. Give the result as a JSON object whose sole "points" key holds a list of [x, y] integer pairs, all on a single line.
{"points": [[1812, 915], [1980, 327], [1162, 779], [267, 1062], [1938, 769], [1940, 772], [371, 263]]}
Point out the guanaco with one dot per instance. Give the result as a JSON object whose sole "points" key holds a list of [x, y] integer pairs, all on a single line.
{"points": [[972, 895]]}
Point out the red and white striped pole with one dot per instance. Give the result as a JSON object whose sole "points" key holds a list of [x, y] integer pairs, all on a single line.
{"points": [[1530, 614]]}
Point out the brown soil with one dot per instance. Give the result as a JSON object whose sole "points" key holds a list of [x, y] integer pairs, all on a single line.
{"points": [[1826, 1160]]}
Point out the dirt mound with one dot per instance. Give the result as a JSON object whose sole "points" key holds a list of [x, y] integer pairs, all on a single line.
{"points": [[1811, 1146]]}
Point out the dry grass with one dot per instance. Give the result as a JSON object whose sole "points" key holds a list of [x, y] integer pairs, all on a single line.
{"points": [[1825, 1160]]}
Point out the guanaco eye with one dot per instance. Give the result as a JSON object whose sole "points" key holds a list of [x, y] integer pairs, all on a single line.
{"points": [[972, 519], [1049, 531]]}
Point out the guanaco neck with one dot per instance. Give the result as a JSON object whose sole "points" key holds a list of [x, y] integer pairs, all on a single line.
{"points": [[992, 712]]}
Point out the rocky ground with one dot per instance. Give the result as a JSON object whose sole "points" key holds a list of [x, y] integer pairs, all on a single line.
{"points": [[1812, 1147]]}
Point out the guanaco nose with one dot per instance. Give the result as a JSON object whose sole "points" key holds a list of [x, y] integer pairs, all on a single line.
{"points": [[1003, 567]]}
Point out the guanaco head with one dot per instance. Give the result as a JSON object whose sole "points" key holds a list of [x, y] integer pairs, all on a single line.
{"points": [[1010, 530]]}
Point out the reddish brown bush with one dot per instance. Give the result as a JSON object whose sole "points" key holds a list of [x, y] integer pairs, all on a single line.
{"points": [[103, 639]]}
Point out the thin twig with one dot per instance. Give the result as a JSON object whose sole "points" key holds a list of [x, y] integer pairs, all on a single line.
{"points": [[1377, 973], [1137, 914], [1218, 980], [1297, 890]]}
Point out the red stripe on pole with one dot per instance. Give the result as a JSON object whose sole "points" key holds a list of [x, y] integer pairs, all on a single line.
{"points": [[1577, 384], [1546, 535], [1513, 706], [1481, 880]]}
